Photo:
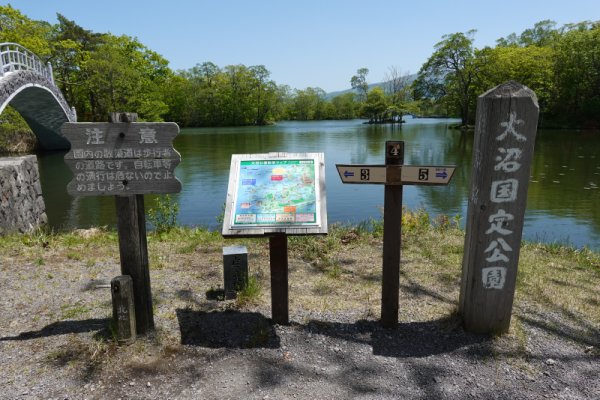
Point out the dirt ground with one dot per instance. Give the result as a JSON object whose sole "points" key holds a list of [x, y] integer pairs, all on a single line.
{"points": [[55, 341]]}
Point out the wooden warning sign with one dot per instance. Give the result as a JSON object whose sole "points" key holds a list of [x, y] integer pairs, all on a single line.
{"points": [[122, 158]]}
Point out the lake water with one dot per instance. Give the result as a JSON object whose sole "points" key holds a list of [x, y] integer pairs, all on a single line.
{"points": [[563, 203]]}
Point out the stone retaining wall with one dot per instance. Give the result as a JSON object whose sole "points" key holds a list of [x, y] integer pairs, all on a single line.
{"points": [[22, 206]]}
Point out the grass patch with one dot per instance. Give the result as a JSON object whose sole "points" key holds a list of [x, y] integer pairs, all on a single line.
{"points": [[251, 293], [557, 285], [73, 311], [73, 255]]}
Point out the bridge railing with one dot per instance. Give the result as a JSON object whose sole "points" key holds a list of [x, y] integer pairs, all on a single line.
{"points": [[14, 57]]}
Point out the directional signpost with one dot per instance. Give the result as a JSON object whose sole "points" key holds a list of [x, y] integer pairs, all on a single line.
{"points": [[393, 175]]}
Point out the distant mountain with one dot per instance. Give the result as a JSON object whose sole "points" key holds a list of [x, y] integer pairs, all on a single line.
{"points": [[331, 95]]}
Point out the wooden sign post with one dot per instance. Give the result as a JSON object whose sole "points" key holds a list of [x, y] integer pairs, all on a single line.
{"points": [[393, 175], [276, 195], [125, 159], [505, 129], [392, 239]]}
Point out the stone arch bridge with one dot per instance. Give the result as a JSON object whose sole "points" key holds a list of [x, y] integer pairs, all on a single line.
{"points": [[27, 84]]}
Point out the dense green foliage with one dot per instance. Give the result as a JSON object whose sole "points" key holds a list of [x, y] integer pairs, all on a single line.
{"points": [[562, 66], [101, 73]]}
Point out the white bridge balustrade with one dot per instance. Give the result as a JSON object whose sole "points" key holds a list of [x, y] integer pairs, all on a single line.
{"points": [[14, 57], [27, 84]]}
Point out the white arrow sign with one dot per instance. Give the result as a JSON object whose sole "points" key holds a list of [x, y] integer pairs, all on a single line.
{"points": [[395, 174], [422, 175], [361, 173]]}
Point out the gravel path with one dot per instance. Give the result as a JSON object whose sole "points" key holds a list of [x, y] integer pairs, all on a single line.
{"points": [[54, 344]]}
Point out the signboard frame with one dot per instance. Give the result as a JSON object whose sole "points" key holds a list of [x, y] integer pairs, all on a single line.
{"points": [[319, 227]]}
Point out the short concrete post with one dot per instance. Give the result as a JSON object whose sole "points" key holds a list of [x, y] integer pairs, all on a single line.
{"points": [[121, 288], [235, 270]]}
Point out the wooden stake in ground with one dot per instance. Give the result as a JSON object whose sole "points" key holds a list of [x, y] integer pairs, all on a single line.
{"points": [[505, 130], [123, 308]]}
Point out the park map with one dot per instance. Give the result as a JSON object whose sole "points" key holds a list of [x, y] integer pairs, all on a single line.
{"points": [[276, 192]]}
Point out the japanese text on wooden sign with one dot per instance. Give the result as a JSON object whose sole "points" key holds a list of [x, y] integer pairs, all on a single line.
{"points": [[503, 191], [122, 158]]}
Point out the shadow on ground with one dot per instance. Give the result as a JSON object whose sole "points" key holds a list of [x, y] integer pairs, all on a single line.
{"points": [[415, 339], [99, 325], [230, 329]]}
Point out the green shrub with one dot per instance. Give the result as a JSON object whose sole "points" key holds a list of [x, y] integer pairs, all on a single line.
{"points": [[163, 216]]}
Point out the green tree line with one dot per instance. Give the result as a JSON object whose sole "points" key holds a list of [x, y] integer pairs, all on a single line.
{"points": [[100, 72], [561, 64]]}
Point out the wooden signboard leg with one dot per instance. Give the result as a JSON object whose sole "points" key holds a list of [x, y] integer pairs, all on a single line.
{"points": [[278, 253], [392, 240], [133, 247]]}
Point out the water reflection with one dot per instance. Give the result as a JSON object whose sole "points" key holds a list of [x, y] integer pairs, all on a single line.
{"points": [[562, 203]]}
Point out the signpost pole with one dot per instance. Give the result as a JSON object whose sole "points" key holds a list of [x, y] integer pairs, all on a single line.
{"points": [[133, 247], [278, 253], [392, 239]]}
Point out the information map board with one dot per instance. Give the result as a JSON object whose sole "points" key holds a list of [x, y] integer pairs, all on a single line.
{"points": [[276, 193]]}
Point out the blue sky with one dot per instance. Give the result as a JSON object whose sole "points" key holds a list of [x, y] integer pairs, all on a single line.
{"points": [[306, 42]]}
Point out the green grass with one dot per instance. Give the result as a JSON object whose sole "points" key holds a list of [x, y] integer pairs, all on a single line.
{"points": [[251, 293], [73, 311], [339, 271]]}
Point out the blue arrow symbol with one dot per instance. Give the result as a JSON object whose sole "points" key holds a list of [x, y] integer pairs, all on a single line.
{"points": [[348, 173], [441, 174]]}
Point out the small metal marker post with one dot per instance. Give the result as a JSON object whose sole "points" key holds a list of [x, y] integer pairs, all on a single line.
{"points": [[235, 270], [393, 175]]}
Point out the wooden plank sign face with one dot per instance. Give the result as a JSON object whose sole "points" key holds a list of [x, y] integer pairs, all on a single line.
{"points": [[395, 174], [362, 173], [424, 175], [122, 158]]}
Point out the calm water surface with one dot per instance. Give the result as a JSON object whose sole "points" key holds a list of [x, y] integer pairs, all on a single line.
{"points": [[563, 202]]}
